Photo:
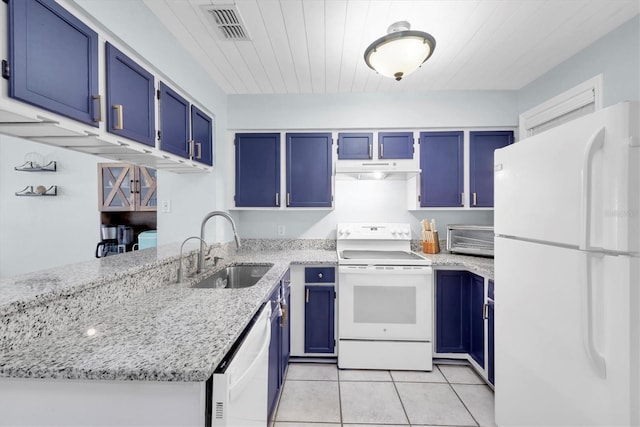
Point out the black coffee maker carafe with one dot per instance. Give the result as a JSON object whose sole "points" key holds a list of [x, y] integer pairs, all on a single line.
{"points": [[125, 238], [109, 243]]}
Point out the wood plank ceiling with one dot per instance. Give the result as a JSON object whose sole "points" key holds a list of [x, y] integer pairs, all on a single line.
{"points": [[317, 46]]}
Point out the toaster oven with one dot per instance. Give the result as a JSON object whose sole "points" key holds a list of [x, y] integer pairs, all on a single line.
{"points": [[470, 239]]}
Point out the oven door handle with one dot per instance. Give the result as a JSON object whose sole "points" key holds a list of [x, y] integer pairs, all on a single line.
{"points": [[385, 270]]}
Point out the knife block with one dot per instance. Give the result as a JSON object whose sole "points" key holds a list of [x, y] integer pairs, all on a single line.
{"points": [[430, 243]]}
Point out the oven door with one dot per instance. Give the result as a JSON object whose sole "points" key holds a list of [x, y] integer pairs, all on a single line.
{"points": [[391, 303]]}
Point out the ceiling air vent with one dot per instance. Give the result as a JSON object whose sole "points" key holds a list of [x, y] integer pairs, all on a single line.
{"points": [[227, 22]]}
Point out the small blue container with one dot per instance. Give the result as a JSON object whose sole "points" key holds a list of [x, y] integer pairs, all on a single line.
{"points": [[147, 239]]}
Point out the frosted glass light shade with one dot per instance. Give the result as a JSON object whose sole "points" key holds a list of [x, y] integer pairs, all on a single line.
{"points": [[400, 53]]}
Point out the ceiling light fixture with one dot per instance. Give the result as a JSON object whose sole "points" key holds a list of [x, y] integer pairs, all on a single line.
{"points": [[400, 52]]}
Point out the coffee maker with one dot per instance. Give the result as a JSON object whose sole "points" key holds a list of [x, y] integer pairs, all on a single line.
{"points": [[109, 243]]}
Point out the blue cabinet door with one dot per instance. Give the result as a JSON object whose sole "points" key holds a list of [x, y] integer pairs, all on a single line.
{"points": [[257, 169], [453, 306], [53, 60], [355, 146], [319, 319], [130, 98], [441, 162], [482, 144], [309, 167], [491, 341], [202, 136], [174, 122], [476, 345], [285, 326], [395, 145], [273, 379]]}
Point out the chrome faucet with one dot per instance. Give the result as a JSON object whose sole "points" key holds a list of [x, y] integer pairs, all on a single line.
{"points": [[207, 217], [202, 246]]}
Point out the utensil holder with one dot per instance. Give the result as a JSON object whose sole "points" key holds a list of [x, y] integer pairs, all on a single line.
{"points": [[430, 245]]}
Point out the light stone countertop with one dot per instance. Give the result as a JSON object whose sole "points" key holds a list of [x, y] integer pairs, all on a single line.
{"points": [[168, 332]]}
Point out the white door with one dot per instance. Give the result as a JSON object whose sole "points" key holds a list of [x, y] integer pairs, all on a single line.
{"points": [[545, 372], [577, 184], [385, 302]]}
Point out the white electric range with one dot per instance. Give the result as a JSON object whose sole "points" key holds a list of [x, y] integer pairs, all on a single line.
{"points": [[385, 303]]}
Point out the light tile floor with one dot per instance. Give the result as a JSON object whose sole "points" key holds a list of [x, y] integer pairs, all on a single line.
{"points": [[321, 395]]}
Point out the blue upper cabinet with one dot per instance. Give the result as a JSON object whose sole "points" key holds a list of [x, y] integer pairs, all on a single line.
{"points": [[395, 145], [442, 163], [202, 136], [53, 60], [130, 98], [257, 169], [174, 122], [482, 144], [309, 167], [355, 146]]}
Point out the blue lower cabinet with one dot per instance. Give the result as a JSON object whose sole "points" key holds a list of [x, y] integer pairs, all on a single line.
{"points": [[174, 122], [53, 60], [453, 308], [285, 326], [275, 351], [476, 344], [319, 319], [130, 98], [309, 169]]}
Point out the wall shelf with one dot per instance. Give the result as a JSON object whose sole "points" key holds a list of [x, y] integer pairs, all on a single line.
{"points": [[39, 191], [35, 167]]}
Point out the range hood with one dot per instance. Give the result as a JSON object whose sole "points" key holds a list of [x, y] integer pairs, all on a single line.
{"points": [[379, 169]]}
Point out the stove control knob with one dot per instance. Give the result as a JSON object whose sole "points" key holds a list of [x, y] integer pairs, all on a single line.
{"points": [[406, 231], [394, 231]]}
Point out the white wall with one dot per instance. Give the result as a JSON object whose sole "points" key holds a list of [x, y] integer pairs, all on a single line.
{"points": [[616, 56], [383, 201], [43, 232]]}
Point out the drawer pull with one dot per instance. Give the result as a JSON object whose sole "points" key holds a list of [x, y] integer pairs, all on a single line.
{"points": [[319, 275], [307, 297]]}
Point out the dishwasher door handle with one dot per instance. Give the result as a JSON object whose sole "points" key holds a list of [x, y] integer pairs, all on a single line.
{"points": [[239, 385]]}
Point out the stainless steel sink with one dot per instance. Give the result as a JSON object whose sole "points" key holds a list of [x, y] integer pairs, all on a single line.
{"points": [[234, 277]]}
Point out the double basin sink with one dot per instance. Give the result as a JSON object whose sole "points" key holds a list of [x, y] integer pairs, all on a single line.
{"points": [[234, 277]]}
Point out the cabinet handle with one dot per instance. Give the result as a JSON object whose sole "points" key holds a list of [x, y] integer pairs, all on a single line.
{"points": [[382, 151], [131, 187], [319, 275], [199, 147], [138, 186], [370, 150], [119, 125], [288, 199], [475, 199], [190, 142], [306, 298], [277, 199], [461, 199], [485, 311], [99, 99], [285, 314]]}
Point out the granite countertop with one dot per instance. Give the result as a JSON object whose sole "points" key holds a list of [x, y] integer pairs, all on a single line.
{"points": [[168, 332]]}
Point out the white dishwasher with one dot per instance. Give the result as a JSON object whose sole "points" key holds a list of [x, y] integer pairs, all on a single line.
{"points": [[240, 381]]}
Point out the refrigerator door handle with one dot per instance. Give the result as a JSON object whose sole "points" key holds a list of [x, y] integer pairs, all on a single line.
{"points": [[588, 326], [595, 143]]}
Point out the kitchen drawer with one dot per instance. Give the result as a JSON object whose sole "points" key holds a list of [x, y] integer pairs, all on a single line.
{"points": [[319, 275]]}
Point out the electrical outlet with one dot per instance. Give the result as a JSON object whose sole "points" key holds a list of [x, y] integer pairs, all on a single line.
{"points": [[282, 230], [166, 206]]}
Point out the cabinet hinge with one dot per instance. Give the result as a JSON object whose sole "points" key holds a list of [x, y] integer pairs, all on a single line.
{"points": [[158, 94], [334, 343], [5, 69], [158, 135], [418, 197]]}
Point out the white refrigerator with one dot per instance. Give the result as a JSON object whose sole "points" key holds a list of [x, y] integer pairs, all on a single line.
{"points": [[567, 274]]}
